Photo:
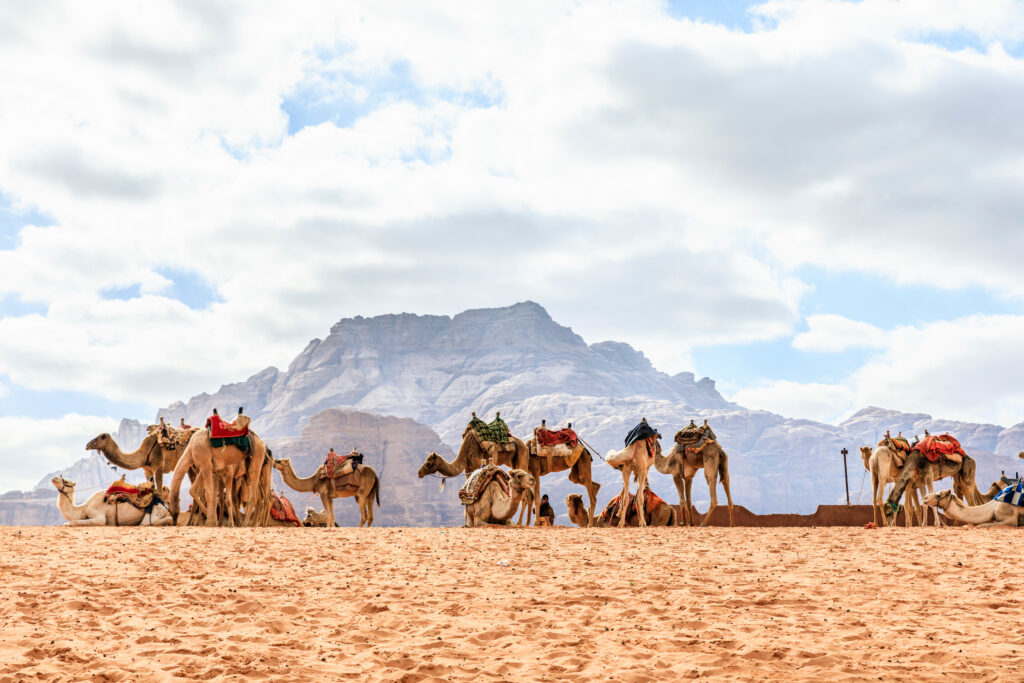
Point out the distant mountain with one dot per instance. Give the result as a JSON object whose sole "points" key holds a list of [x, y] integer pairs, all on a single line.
{"points": [[431, 372]]}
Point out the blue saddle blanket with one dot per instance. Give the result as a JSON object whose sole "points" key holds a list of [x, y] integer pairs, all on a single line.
{"points": [[1012, 494], [641, 431]]}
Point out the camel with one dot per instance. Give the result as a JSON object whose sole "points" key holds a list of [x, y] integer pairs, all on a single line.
{"points": [[314, 518], [663, 515], [683, 462], [365, 492], [493, 506], [153, 460], [992, 513], [95, 512], [228, 479], [635, 459], [917, 466], [473, 455], [881, 463]]}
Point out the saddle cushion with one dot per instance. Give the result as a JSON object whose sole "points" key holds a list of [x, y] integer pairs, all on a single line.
{"points": [[496, 431], [219, 429], [140, 496], [339, 465], [567, 453], [547, 437], [1012, 494], [935, 447], [281, 509], [478, 481], [897, 443]]}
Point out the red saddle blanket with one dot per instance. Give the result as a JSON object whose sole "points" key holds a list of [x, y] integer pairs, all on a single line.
{"points": [[118, 488], [935, 447], [281, 509], [337, 462], [547, 437], [219, 429], [651, 502]]}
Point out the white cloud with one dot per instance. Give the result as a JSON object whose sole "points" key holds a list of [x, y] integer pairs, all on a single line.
{"points": [[31, 447], [648, 179], [835, 333], [811, 401]]}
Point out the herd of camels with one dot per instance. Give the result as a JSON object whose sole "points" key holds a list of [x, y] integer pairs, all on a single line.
{"points": [[232, 487]]}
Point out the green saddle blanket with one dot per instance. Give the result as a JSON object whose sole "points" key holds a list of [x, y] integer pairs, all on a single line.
{"points": [[496, 431]]}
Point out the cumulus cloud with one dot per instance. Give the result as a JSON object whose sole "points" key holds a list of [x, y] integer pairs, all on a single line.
{"points": [[33, 446], [835, 333], [811, 401]]}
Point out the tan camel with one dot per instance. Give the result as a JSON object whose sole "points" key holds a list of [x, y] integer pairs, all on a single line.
{"points": [[494, 506], [154, 460], [635, 459], [663, 515], [992, 513], [220, 470], [683, 462], [473, 455], [918, 467], [314, 518], [881, 464], [95, 512], [365, 492]]}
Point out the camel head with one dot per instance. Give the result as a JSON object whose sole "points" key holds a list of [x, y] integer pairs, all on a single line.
{"points": [[577, 511], [1021, 455], [429, 466], [941, 499], [314, 518], [521, 480], [99, 443], [63, 484], [865, 453], [279, 464]]}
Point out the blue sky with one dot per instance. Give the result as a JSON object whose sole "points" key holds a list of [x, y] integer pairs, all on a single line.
{"points": [[216, 193]]}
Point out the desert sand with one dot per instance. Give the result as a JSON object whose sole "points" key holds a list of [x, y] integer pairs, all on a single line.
{"points": [[572, 604]]}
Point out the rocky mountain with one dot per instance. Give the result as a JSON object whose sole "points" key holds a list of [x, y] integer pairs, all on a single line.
{"points": [[431, 372]]}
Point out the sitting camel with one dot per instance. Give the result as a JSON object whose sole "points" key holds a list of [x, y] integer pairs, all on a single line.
{"points": [[992, 513], [363, 484], [494, 506], [314, 518], [96, 512], [663, 515]]}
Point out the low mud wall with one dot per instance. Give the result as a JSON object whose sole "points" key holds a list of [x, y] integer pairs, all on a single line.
{"points": [[825, 515]]}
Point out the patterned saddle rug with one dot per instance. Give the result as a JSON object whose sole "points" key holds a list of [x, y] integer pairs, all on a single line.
{"points": [[897, 443], [1012, 494], [170, 438], [496, 431], [936, 447], [281, 509], [140, 496], [478, 481], [651, 503], [339, 465]]}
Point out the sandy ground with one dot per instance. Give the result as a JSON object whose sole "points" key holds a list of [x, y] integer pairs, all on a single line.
{"points": [[572, 604]]}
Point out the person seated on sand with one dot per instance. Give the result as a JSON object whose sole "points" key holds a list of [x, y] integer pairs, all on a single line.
{"points": [[546, 512]]}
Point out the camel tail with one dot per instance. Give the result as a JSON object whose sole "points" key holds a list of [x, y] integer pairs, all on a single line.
{"points": [[376, 491], [179, 474]]}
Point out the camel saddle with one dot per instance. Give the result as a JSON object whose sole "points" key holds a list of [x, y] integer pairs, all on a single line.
{"points": [[495, 432], [899, 446], [936, 447], [569, 454], [229, 433], [651, 503], [170, 438], [641, 431], [339, 466], [281, 509], [140, 496], [478, 481], [1012, 494]]}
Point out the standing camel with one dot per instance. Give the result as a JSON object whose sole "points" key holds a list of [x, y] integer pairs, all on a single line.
{"points": [[636, 460], [365, 492], [153, 459], [882, 464], [97, 512], [229, 478], [684, 461], [918, 466]]}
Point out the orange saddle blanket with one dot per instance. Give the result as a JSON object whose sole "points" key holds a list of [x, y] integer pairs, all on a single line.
{"points": [[651, 502], [281, 509], [934, 447]]}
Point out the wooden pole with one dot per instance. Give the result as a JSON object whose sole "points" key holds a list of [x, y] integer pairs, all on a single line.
{"points": [[846, 476]]}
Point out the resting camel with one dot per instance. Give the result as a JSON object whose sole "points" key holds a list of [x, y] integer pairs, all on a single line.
{"points": [[153, 460], [494, 506], [473, 455], [95, 512], [683, 462], [663, 515], [881, 463], [228, 478], [918, 466], [992, 513], [314, 518], [365, 492], [635, 459]]}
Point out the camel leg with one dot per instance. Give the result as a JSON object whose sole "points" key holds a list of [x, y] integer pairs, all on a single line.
{"points": [[712, 478], [212, 502], [681, 489], [638, 502], [535, 508], [91, 521], [728, 496], [329, 509], [592, 494], [624, 498], [689, 501]]}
